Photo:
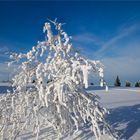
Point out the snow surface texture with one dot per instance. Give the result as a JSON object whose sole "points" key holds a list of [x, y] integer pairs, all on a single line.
{"points": [[124, 104], [57, 99]]}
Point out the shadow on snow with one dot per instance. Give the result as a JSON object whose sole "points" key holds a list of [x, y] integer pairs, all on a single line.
{"points": [[126, 120]]}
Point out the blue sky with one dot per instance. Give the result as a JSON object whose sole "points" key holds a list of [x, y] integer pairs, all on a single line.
{"points": [[109, 31]]}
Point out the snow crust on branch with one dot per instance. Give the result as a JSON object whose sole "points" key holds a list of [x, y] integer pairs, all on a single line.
{"points": [[57, 97]]}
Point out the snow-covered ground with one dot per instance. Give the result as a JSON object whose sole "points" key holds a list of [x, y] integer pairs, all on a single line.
{"points": [[117, 97], [124, 105]]}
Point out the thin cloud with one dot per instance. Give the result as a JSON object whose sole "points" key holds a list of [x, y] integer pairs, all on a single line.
{"points": [[125, 32], [87, 38], [127, 65]]}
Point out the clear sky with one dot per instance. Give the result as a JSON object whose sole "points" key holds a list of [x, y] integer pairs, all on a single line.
{"points": [[109, 31]]}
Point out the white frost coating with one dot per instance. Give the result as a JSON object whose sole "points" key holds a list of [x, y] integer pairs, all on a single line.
{"points": [[101, 74], [47, 28], [106, 88], [85, 75], [52, 92]]}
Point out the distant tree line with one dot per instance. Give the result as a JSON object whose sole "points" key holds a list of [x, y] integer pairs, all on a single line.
{"points": [[117, 83]]}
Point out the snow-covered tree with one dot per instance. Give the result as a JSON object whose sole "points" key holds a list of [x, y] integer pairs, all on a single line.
{"points": [[49, 90]]}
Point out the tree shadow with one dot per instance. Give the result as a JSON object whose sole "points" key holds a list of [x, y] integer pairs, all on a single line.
{"points": [[44, 134], [126, 120]]}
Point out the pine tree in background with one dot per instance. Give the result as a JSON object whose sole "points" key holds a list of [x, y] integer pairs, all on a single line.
{"points": [[62, 103], [127, 84], [137, 84], [117, 82]]}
